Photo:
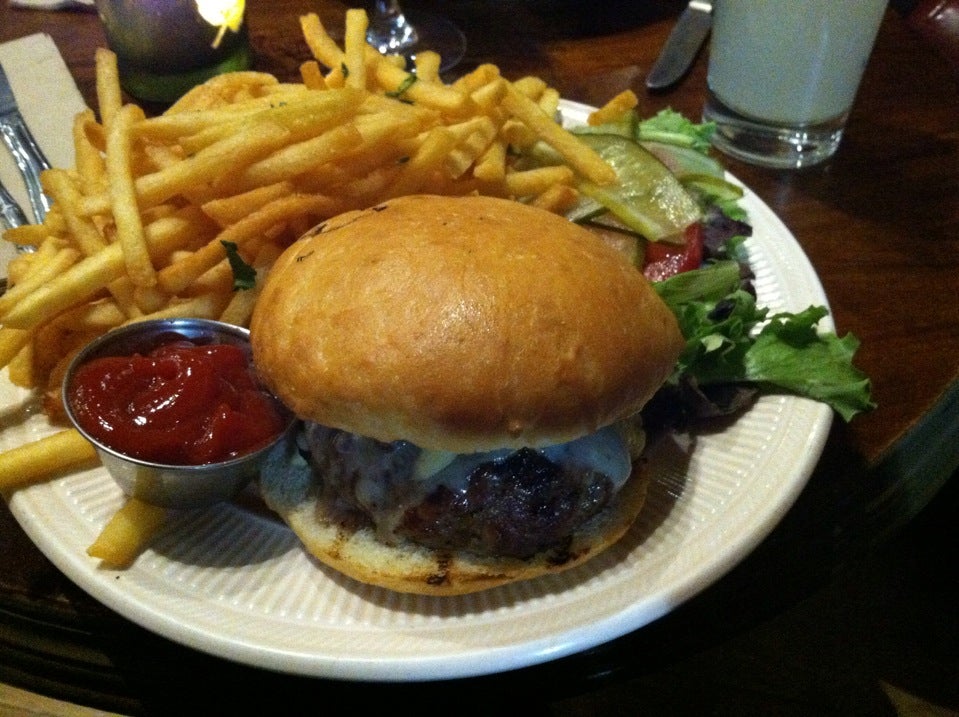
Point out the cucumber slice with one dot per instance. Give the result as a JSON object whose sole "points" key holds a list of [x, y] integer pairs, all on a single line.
{"points": [[710, 186], [647, 198]]}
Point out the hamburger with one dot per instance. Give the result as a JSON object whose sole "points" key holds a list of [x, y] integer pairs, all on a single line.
{"points": [[468, 371]]}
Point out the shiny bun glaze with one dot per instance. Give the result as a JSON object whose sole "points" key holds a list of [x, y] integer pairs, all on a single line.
{"points": [[460, 324]]}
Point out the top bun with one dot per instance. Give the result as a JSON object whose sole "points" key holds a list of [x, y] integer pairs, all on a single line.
{"points": [[461, 324]]}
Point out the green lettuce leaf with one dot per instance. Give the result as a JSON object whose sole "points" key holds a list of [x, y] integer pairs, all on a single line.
{"points": [[671, 127], [729, 340]]}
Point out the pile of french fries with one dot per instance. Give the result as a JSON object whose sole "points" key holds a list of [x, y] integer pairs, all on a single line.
{"points": [[143, 226]]}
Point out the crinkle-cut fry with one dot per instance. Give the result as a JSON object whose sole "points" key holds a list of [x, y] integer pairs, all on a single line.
{"points": [[44, 458], [577, 154], [354, 48], [109, 93], [205, 166], [123, 197], [128, 533], [177, 277], [613, 109]]}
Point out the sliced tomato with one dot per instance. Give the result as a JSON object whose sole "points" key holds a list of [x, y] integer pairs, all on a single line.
{"points": [[663, 260]]}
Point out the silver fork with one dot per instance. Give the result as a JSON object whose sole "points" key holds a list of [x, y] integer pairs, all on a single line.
{"points": [[11, 215], [26, 152]]}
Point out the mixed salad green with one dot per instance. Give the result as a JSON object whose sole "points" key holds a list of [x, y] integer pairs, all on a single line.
{"points": [[689, 231]]}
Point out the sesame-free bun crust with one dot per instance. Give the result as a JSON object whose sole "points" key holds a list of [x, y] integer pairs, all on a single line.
{"points": [[289, 488], [460, 324]]}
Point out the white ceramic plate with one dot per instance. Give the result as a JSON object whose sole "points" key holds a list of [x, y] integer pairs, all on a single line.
{"points": [[233, 582]]}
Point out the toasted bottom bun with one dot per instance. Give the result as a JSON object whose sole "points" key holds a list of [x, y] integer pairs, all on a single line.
{"points": [[288, 488]]}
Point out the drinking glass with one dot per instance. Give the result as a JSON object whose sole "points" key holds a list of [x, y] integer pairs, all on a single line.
{"points": [[165, 47], [394, 31], [783, 76]]}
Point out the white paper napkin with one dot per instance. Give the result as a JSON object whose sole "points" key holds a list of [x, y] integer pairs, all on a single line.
{"points": [[49, 100]]}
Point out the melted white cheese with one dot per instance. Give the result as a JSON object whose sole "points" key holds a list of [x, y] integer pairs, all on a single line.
{"points": [[609, 451]]}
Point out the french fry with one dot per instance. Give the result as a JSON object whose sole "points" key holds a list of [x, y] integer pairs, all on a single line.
{"points": [[59, 185], [137, 227], [323, 47], [417, 172], [581, 157], [428, 66], [177, 277], [229, 210], [91, 169], [49, 261], [123, 197], [39, 460], [12, 341], [109, 93], [81, 282], [313, 76], [207, 306], [613, 109], [128, 533], [299, 158], [240, 308], [558, 198], [536, 181], [354, 48]]}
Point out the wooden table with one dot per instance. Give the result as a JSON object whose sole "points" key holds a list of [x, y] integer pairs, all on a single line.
{"points": [[880, 223]]}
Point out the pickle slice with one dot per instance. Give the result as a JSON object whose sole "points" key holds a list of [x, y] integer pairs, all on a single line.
{"points": [[647, 198]]}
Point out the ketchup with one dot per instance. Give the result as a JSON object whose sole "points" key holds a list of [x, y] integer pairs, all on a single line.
{"points": [[180, 404]]}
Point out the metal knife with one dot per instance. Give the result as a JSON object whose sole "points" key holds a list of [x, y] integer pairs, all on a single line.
{"points": [[682, 45], [26, 152]]}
